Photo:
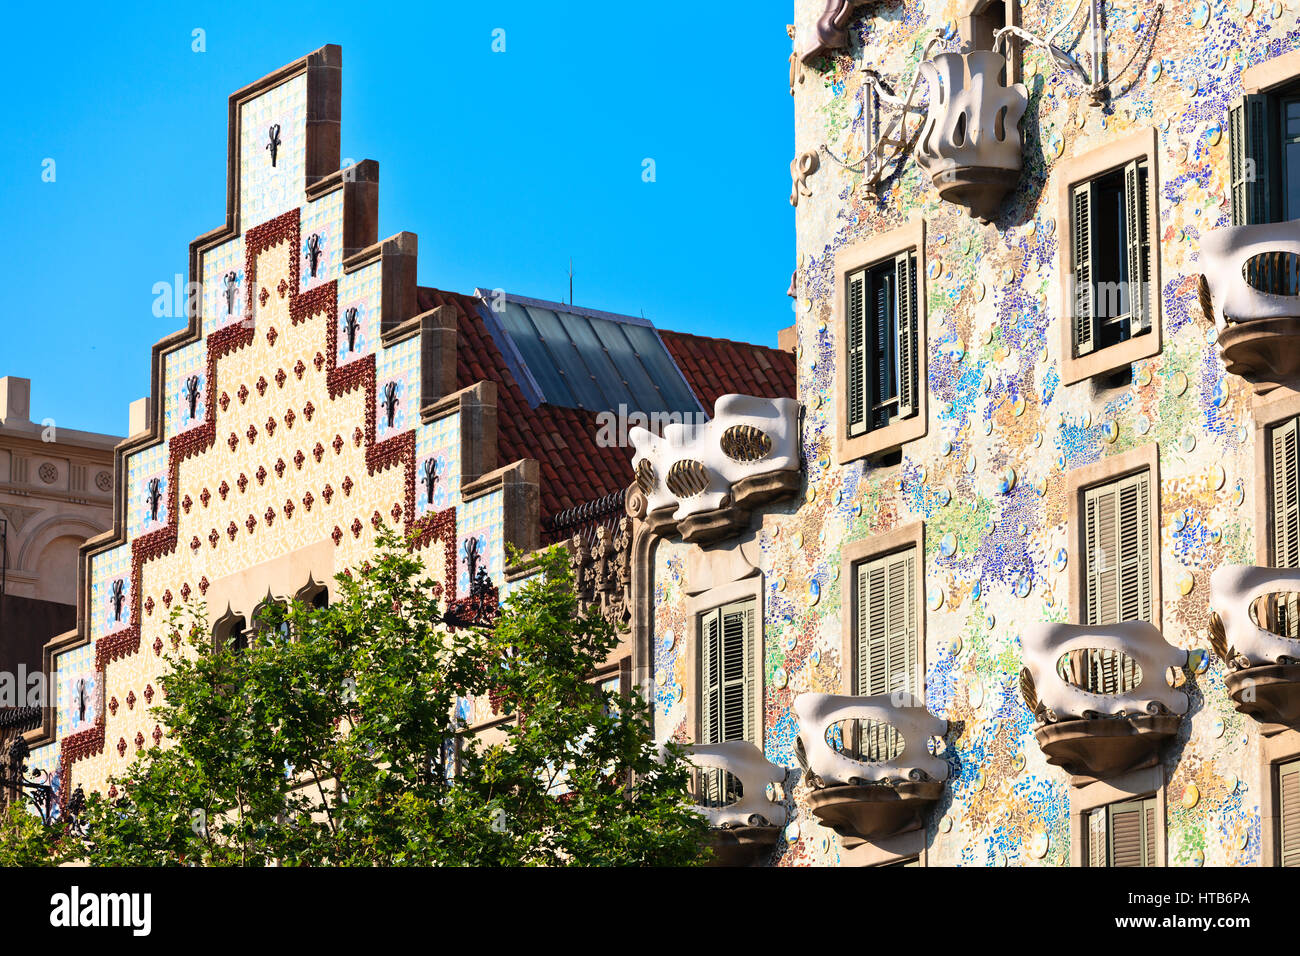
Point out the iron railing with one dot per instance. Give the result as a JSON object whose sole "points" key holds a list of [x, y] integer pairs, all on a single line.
{"points": [[584, 520]]}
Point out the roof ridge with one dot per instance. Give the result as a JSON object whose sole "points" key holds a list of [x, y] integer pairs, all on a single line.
{"points": [[583, 310], [717, 338]]}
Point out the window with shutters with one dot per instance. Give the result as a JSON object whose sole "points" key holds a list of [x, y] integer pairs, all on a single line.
{"points": [[1284, 494], [1264, 157], [1113, 540], [1123, 834], [1117, 542], [886, 647], [880, 343], [1109, 256], [885, 631], [1280, 612], [729, 708], [1112, 257], [1287, 787], [882, 373]]}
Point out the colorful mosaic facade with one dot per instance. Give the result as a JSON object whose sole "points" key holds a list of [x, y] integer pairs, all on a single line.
{"points": [[988, 476]]}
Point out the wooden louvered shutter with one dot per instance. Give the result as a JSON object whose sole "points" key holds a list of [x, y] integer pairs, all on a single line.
{"points": [[1096, 837], [711, 678], [729, 675], [1117, 536], [887, 626], [733, 676], [856, 320], [1252, 143], [1100, 522], [739, 623], [1149, 832], [873, 656], [881, 335], [1136, 200], [902, 622], [1132, 833], [1127, 834], [1084, 319], [1286, 495], [1134, 548], [1288, 830], [908, 346]]}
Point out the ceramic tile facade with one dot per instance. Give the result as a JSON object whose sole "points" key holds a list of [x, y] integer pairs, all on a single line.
{"points": [[988, 478], [224, 291], [271, 189], [285, 458]]}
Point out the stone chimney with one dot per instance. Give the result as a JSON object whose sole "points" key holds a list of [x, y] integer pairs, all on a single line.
{"points": [[15, 400], [138, 419]]}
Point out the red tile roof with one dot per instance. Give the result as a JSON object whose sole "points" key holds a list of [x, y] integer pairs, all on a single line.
{"points": [[716, 367], [574, 468]]}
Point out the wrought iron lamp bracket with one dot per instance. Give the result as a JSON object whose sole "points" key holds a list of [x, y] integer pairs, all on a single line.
{"points": [[1097, 83], [885, 119]]}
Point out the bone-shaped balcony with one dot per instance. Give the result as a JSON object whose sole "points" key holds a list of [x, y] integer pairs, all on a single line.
{"points": [[1255, 629], [1101, 695], [703, 480], [869, 763], [735, 788], [1250, 287], [970, 140]]}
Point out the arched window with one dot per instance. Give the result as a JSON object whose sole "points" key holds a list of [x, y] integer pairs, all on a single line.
{"points": [[231, 630], [314, 595], [264, 629]]}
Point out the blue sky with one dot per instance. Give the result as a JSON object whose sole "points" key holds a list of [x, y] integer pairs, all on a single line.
{"points": [[505, 164]]}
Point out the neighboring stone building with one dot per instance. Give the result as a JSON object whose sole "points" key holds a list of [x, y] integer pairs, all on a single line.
{"points": [[319, 391], [56, 490], [1047, 361]]}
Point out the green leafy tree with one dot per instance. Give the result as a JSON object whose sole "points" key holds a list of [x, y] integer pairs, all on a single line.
{"points": [[26, 840], [332, 740]]}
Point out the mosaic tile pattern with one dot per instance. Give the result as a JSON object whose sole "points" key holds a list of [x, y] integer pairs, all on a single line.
{"points": [[439, 443], [480, 521], [322, 241], [224, 291], [186, 389], [267, 190], [397, 374], [107, 613], [359, 303], [997, 402], [146, 490], [78, 689]]}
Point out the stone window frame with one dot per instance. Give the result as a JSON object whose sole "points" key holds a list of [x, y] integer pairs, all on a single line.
{"points": [[1107, 158], [977, 33], [1273, 72], [1275, 749], [867, 549], [1277, 408], [1282, 745], [1088, 795], [1077, 481], [911, 535], [696, 607], [850, 259]]}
